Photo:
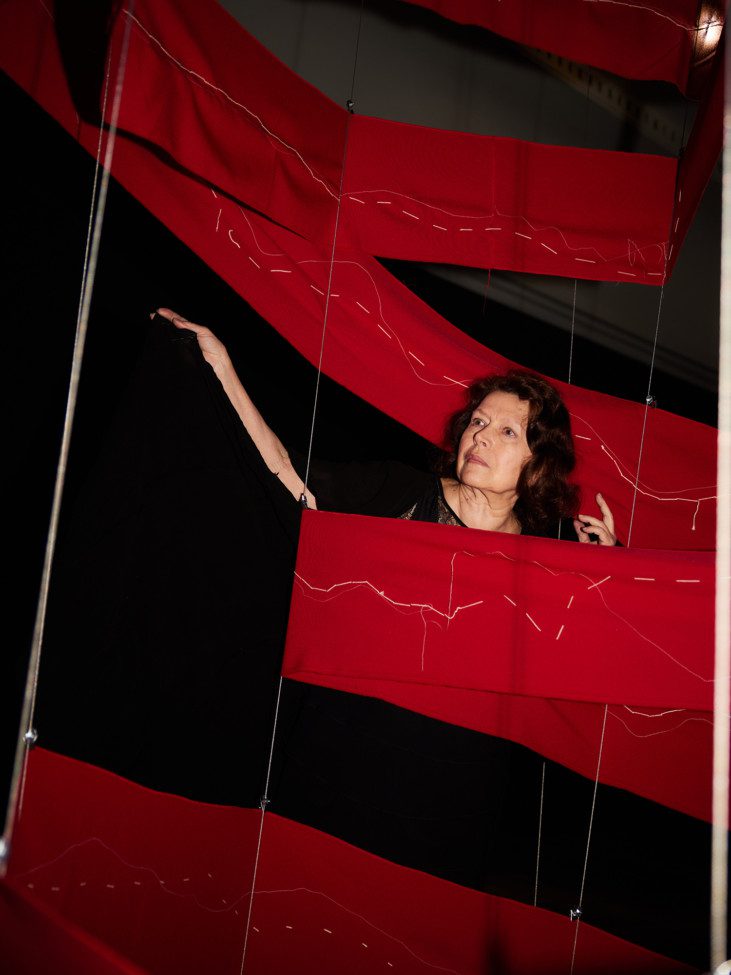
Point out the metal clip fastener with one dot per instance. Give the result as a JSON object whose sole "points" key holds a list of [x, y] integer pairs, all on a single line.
{"points": [[303, 500], [350, 105], [651, 401], [264, 802], [575, 913], [30, 737]]}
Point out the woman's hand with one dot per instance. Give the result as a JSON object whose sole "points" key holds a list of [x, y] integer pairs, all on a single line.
{"points": [[602, 529], [213, 349]]}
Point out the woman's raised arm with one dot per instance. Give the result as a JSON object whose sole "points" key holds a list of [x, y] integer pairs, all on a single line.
{"points": [[267, 442]]}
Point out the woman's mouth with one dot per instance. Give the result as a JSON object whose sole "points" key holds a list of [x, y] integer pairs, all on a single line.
{"points": [[474, 459]]}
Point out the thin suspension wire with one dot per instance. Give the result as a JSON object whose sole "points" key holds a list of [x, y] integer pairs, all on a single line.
{"points": [[264, 803], [540, 828], [648, 402], [265, 798], [573, 329], [26, 735], [357, 49], [588, 839], [350, 105], [29, 734], [722, 662], [571, 358], [327, 310]]}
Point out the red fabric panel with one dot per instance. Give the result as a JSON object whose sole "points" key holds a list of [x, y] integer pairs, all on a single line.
{"points": [[166, 880], [237, 118], [636, 40], [478, 201], [429, 195], [35, 938], [382, 342], [229, 111], [446, 621], [700, 156]]}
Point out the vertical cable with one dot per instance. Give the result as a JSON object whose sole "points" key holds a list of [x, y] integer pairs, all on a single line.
{"points": [[350, 104], [576, 912], [722, 664], [303, 497], [649, 400], [27, 734], [265, 800], [573, 329], [540, 827]]}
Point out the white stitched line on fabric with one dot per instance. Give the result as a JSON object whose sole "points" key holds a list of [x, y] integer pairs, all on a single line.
{"points": [[208, 84], [528, 616], [595, 584]]}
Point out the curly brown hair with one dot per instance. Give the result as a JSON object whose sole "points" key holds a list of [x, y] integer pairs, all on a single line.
{"points": [[544, 492]]}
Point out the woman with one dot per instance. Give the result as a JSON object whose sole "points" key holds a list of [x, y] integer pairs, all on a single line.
{"points": [[512, 453]]}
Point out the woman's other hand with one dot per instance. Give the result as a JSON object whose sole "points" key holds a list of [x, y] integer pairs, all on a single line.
{"points": [[601, 528], [213, 349]]}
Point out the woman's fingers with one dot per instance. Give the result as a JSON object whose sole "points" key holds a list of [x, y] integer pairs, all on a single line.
{"points": [[179, 321], [169, 314], [601, 528], [593, 530], [606, 513]]}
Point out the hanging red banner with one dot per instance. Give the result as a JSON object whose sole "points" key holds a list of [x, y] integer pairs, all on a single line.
{"points": [[382, 342], [478, 623]]}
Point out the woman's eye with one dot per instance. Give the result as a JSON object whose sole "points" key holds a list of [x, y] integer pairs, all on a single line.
{"points": [[509, 432], [477, 422]]}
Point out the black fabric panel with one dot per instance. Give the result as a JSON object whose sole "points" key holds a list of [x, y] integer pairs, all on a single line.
{"points": [[464, 806], [171, 594], [381, 488]]}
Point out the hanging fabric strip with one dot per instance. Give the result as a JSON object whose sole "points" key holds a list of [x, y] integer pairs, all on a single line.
{"points": [[429, 195], [389, 347], [514, 636], [636, 40], [323, 906], [233, 116]]}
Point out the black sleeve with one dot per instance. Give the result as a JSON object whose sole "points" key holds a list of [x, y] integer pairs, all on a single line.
{"points": [[385, 488]]}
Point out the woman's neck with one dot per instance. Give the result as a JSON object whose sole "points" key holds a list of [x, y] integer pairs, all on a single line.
{"points": [[477, 509]]}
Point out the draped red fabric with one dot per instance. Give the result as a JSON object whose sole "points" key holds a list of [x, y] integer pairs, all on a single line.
{"points": [[635, 40], [412, 192], [382, 342], [429, 195], [36, 938], [520, 637], [701, 153], [229, 112], [165, 882], [237, 118]]}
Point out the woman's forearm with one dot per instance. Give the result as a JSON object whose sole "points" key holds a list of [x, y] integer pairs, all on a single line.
{"points": [[266, 441], [271, 448]]}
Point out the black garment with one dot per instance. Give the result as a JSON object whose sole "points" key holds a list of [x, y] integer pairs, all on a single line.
{"points": [[390, 489], [171, 591]]}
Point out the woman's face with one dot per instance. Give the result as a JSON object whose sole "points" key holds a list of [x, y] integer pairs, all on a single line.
{"points": [[493, 448]]}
